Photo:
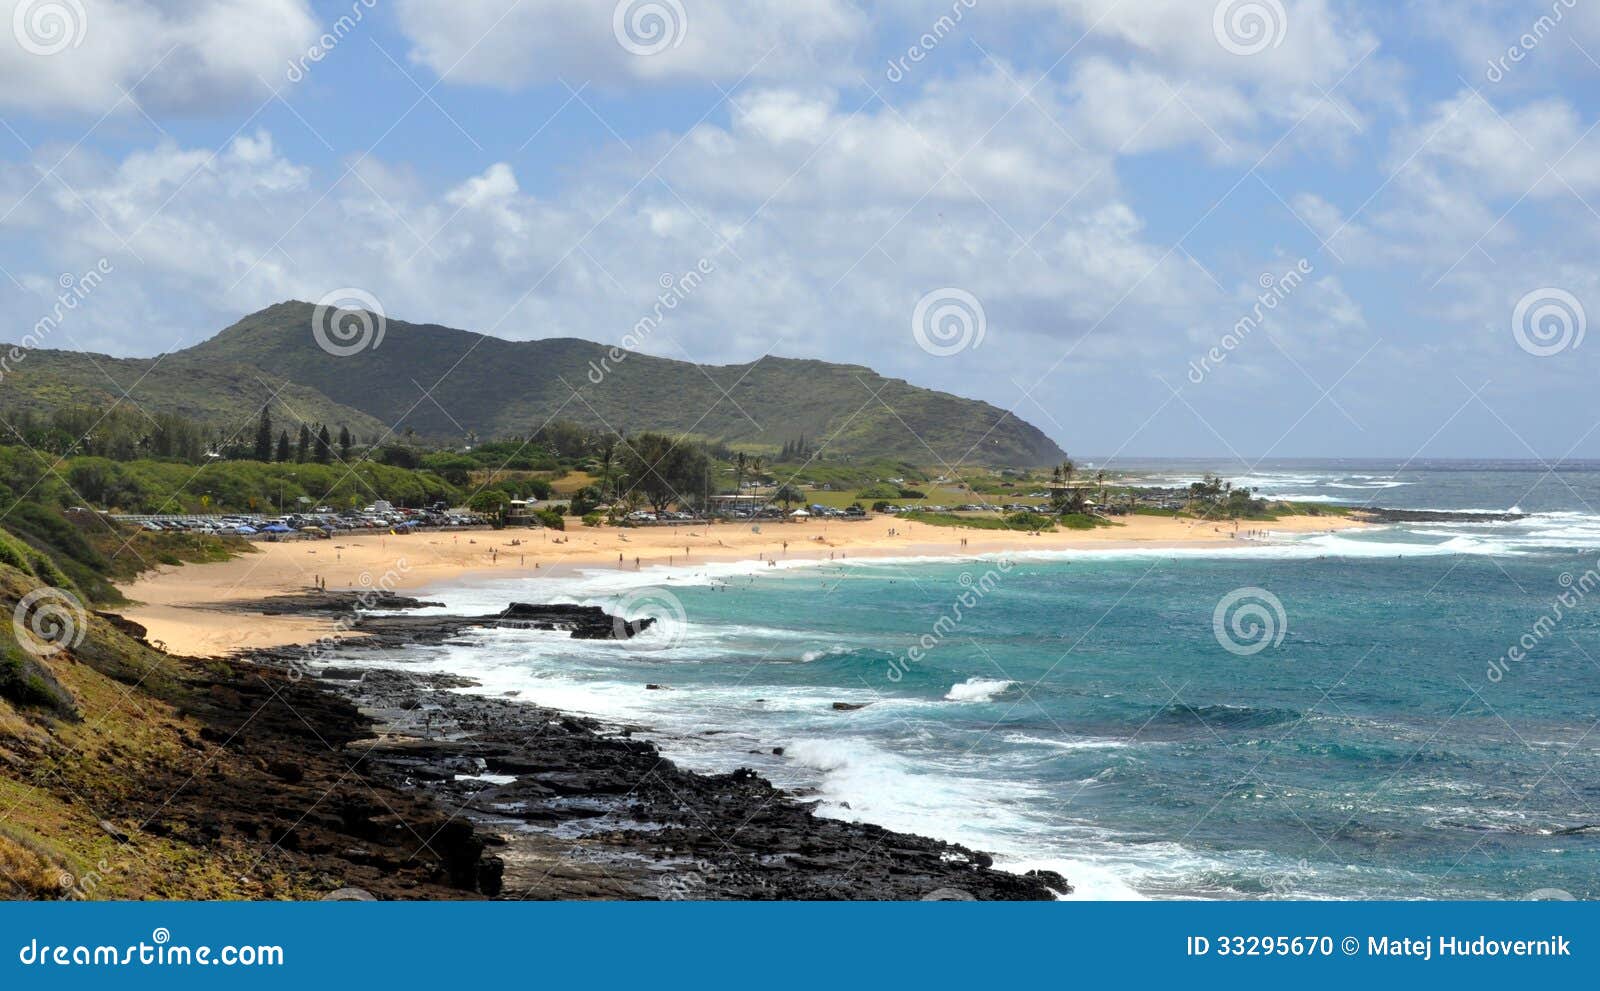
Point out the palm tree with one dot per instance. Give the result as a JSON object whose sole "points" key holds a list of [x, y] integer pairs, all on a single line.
{"points": [[607, 450], [739, 465]]}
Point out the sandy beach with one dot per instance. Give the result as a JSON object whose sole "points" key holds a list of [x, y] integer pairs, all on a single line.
{"points": [[187, 607]]}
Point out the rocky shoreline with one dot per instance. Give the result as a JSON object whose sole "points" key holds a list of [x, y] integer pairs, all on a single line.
{"points": [[562, 807]]}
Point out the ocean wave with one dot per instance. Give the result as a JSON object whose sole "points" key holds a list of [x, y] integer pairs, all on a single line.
{"points": [[1224, 716], [978, 690], [1070, 743], [816, 655]]}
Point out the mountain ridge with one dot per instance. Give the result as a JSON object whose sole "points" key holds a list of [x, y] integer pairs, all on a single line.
{"points": [[444, 383]]}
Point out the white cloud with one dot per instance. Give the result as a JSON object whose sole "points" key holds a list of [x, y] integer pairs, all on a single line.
{"points": [[1528, 149], [1309, 45], [498, 43], [171, 55], [819, 221], [1134, 109]]}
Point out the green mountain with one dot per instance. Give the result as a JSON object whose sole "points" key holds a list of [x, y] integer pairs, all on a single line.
{"points": [[225, 395], [443, 383]]}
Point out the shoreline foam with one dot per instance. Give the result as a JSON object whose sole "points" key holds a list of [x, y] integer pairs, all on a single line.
{"points": [[195, 608]]}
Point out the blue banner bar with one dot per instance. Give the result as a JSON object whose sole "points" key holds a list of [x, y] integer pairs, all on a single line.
{"points": [[806, 946]]}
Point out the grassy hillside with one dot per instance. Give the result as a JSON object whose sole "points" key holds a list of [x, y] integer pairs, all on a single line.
{"points": [[223, 395], [497, 388], [126, 773]]}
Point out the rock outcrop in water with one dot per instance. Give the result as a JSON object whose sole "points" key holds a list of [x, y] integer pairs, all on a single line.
{"points": [[401, 630]]}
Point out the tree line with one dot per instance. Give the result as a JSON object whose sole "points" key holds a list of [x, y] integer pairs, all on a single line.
{"points": [[312, 445]]}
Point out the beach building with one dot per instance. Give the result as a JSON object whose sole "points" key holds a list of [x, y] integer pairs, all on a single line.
{"points": [[519, 513]]}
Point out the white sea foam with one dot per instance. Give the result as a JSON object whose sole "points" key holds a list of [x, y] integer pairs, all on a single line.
{"points": [[817, 655], [977, 690], [1068, 743]]}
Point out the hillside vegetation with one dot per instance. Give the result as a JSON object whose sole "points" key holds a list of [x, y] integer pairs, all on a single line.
{"points": [[441, 384]]}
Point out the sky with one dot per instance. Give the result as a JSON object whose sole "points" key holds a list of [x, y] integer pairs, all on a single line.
{"points": [[1240, 229]]}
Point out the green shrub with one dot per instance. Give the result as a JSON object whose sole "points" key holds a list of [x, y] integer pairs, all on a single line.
{"points": [[26, 683], [1025, 520]]}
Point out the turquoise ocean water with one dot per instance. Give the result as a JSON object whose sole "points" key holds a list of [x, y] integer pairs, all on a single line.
{"points": [[1349, 725]]}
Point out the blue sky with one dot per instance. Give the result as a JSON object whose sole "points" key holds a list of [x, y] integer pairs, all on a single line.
{"points": [[1405, 192]]}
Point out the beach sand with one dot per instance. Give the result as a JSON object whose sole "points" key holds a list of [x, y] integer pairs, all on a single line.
{"points": [[186, 607]]}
